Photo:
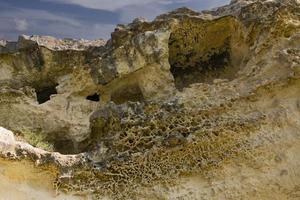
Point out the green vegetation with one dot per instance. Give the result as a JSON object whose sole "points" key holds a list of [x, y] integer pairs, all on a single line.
{"points": [[37, 139]]}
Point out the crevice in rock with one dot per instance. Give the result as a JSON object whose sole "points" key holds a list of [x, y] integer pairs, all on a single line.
{"points": [[95, 97], [43, 94]]}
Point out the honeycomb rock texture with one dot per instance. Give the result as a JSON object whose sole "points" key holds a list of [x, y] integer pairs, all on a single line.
{"points": [[193, 105]]}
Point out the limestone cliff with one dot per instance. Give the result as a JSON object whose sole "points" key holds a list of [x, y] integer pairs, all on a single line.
{"points": [[189, 106]]}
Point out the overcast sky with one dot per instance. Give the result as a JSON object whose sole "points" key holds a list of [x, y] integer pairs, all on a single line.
{"points": [[88, 19]]}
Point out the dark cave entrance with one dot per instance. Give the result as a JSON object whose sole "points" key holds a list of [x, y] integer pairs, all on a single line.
{"points": [[204, 71], [64, 147], [95, 97], [202, 51], [43, 94]]}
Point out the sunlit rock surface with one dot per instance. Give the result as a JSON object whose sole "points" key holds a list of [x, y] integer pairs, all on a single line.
{"points": [[189, 106]]}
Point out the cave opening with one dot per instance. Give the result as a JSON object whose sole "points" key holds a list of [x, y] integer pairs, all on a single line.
{"points": [[95, 97], [217, 65], [43, 95], [64, 147], [202, 51]]}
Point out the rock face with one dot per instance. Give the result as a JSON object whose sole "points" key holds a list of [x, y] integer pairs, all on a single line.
{"points": [[34, 73], [188, 106]]}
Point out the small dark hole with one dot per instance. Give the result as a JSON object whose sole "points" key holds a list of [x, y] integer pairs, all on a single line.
{"points": [[130, 141], [44, 94], [185, 134], [94, 97]]}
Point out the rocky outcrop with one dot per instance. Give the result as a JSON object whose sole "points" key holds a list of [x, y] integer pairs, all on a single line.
{"points": [[48, 42], [32, 75], [15, 149], [190, 99]]}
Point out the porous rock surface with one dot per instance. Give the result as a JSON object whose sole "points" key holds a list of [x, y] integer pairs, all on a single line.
{"points": [[189, 106]]}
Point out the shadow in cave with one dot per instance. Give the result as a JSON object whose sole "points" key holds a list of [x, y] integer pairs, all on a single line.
{"points": [[43, 95], [202, 51], [217, 66], [95, 97]]}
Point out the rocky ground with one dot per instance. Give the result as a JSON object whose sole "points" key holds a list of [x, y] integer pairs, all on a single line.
{"points": [[189, 106]]}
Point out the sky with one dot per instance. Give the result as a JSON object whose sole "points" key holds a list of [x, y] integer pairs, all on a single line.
{"points": [[87, 19]]}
